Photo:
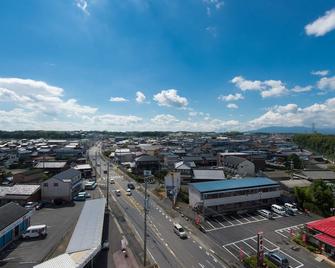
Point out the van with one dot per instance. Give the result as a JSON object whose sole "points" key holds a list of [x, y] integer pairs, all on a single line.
{"points": [[291, 209], [265, 213], [35, 231], [90, 185], [278, 209], [179, 230], [277, 258]]}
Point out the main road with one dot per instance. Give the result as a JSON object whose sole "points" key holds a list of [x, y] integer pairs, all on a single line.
{"points": [[163, 246]]}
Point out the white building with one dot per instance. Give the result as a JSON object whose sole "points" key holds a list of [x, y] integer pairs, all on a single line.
{"points": [[238, 166], [62, 186], [224, 196]]}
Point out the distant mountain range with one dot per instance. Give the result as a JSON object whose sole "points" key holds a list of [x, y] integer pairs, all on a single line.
{"points": [[294, 130]]}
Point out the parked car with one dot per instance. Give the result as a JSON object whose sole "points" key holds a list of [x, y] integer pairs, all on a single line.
{"points": [[131, 186], [39, 206], [105, 245], [265, 213], [35, 231], [179, 230], [30, 205], [79, 198], [278, 209], [291, 209], [277, 258], [86, 194]]}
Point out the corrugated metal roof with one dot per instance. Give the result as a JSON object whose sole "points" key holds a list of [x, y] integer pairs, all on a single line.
{"points": [[326, 226], [61, 261], [225, 185], [88, 232], [208, 174]]}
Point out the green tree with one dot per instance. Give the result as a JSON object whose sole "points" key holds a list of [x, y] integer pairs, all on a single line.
{"points": [[295, 159]]}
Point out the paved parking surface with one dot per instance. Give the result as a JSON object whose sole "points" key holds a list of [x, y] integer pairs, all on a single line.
{"points": [[226, 221], [248, 247], [287, 232]]}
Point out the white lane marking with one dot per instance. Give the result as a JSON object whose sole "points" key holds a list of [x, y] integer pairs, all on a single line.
{"points": [[210, 224], [227, 220], [252, 217], [239, 248], [210, 263], [219, 222], [201, 265]]}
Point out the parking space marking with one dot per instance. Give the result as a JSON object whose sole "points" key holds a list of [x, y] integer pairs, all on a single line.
{"points": [[224, 221], [248, 247], [286, 232]]}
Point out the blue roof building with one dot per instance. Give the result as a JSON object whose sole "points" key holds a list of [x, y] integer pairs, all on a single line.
{"points": [[220, 197]]}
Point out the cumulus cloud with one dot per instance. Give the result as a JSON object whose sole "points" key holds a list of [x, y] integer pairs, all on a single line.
{"points": [[117, 99], [300, 89], [326, 83], [267, 88], [40, 96], [322, 25], [140, 97], [320, 72], [116, 120], [215, 4], [293, 115], [212, 30], [83, 6], [164, 119], [170, 98], [231, 97], [232, 106]]}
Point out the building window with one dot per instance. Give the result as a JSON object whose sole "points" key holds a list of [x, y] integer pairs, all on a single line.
{"points": [[45, 184], [56, 184]]}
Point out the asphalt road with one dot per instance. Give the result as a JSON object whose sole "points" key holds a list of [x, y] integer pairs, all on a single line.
{"points": [[164, 247]]}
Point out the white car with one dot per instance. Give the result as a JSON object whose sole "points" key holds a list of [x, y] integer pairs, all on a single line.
{"points": [[179, 230], [112, 181], [117, 192], [129, 192], [35, 231]]}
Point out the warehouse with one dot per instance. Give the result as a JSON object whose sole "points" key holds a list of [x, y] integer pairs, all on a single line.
{"points": [[14, 221], [226, 196]]}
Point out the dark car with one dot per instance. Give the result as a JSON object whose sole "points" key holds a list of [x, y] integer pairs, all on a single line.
{"points": [[39, 206], [277, 258], [131, 186]]}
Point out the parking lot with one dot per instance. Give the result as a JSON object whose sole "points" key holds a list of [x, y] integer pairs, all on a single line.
{"points": [[248, 247], [287, 232], [60, 222], [225, 221]]}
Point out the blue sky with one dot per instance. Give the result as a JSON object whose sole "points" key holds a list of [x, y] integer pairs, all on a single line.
{"points": [[202, 65]]}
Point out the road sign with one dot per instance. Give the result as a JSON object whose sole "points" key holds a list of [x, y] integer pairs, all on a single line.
{"points": [[260, 249]]}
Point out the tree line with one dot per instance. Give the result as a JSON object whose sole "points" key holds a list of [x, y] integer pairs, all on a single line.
{"points": [[322, 144]]}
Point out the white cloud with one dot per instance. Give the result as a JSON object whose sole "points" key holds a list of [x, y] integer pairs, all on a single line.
{"points": [[326, 83], [116, 120], [320, 72], [193, 113], [300, 89], [83, 6], [164, 119], [267, 88], [140, 97], [170, 98], [275, 88], [117, 99], [215, 3], [40, 97], [232, 106], [322, 25], [322, 114], [245, 85], [231, 97]]}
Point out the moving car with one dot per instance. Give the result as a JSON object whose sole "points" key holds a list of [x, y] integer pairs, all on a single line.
{"points": [[179, 230], [112, 181], [35, 231], [277, 258], [79, 198], [117, 192], [129, 192], [85, 194], [265, 213], [131, 186]]}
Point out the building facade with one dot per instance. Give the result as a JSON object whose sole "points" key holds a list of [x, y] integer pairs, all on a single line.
{"points": [[226, 196]]}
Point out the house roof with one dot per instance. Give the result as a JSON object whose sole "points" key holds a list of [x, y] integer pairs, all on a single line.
{"points": [[320, 174], [233, 160], [233, 184], [326, 239], [208, 174], [83, 167], [51, 164], [182, 165], [326, 226], [146, 158], [68, 174], [19, 190], [10, 213]]}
